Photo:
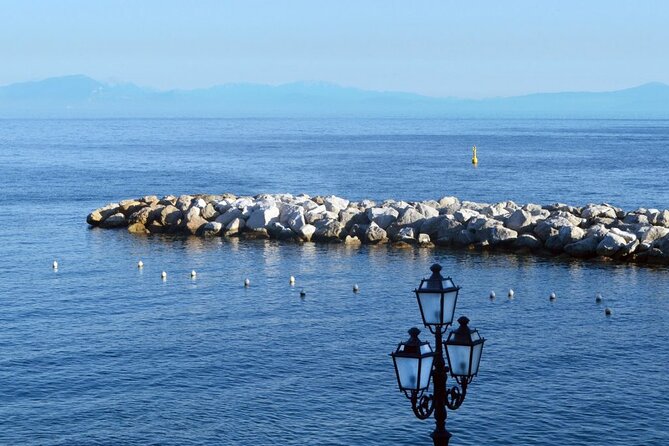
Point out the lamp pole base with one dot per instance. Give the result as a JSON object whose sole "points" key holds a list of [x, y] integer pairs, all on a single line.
{"points": [[440, 438]]}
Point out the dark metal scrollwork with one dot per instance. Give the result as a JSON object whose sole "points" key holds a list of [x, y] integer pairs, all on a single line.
{"points": [[422, 406], [456, 395]]}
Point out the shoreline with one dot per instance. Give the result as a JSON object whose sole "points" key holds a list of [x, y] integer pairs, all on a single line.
{"points": [[587, 232]]}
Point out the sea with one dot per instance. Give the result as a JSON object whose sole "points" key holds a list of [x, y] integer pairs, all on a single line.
{"points": [[99, 352]]}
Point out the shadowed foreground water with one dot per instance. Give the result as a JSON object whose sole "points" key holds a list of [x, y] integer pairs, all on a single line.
{"points": [[100, 352]]}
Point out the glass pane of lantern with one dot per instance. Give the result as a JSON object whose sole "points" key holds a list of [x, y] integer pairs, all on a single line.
{"points": [[407, 368], [449, 306], [425, 348], [448, 283], [425, 372], [431, 305], [458, 358], [476, 357]]}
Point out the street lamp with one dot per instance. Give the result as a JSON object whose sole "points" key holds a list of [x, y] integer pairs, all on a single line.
{"points": [[416, 363]]}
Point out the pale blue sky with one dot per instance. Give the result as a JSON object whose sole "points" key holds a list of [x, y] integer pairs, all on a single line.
{"points": [[439, 48]]}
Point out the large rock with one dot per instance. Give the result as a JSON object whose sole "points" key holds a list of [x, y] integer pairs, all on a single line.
{"points": [[315, 214], [137, 228], [653, 233], [211, 229], [449, 205], [328, 231], [584, 249], [570, 234], [527, 241], [183, 202], [127, 207], [145, 215], [289, 211], [411, 218], [209, 212], [235, 226], [448, 227], [260, 218], [117, 220], [464, 215], [98, 215], [591, 211], [194, 221], [335, 204], [612, 245], [407, 234], [426, 210], [306, 232], [228, 216], [280, 232], [499, 235], [374, 234], [520, 221], [382, 217], [171, 217]]}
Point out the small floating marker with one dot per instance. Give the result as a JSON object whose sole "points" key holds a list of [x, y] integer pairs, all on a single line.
{"points": [[54, 264], [193, 274], [163, 275], [356, 288], [247, 283], [598, 298], [140, 264], [511, 293], [475, 160], [492, 295], [292, 280], [608, 311], [552, 296], [303, 293]]}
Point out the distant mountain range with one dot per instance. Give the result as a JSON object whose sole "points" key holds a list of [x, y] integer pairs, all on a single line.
{"points": [[80, 96]]}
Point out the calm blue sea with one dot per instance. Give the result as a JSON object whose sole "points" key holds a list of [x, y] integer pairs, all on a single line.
{"points": [[100, 353]]}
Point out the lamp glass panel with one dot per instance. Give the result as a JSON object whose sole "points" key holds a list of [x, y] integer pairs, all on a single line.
{"points": [[448, 283], [430, 303], [425, 348], [407, 369], [458, 359], [425, 372], [476, 357], [449, 306]]}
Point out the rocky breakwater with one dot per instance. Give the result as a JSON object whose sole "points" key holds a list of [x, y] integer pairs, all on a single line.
{"points": [[594, 230]]}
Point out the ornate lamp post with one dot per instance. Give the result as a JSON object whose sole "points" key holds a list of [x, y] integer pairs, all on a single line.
{"points": [[416, 363]]}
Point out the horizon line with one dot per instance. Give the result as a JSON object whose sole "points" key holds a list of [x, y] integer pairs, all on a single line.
{"points": [[324, 83]]}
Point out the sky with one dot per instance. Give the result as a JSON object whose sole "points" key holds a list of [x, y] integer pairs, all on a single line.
{"points": [[436, 48]]}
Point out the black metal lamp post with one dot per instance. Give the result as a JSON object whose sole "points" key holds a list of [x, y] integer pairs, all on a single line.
{"points": [[416, 364]]}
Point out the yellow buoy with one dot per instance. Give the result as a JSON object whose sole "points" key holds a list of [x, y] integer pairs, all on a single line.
{"points": [[475, 160]]}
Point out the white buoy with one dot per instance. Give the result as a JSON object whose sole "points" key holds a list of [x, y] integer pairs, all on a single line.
{"points": [[608, 311], [356, 288], [492, 295], [598, 298], [247, 283], [552, 296], [193, 274], [511, 293], [140, 264], [292, 280], [303, 293], [55, 264], [163, 275]]}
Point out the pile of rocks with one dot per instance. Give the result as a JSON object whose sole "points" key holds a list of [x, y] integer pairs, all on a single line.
{"points": [[594, 230]]}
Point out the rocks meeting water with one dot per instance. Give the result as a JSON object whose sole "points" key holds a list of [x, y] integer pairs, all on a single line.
{"points": [[594, 230]]}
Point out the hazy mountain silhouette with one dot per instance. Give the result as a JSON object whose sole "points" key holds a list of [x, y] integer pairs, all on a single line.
{"points": [[81, 96]]}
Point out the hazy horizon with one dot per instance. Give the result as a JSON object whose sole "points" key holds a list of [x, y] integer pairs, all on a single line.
{"points": [[115, 81], [437, 49]]}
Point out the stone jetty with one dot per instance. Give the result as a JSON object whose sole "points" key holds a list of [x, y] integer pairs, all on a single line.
{"points": [[594, 230]]}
